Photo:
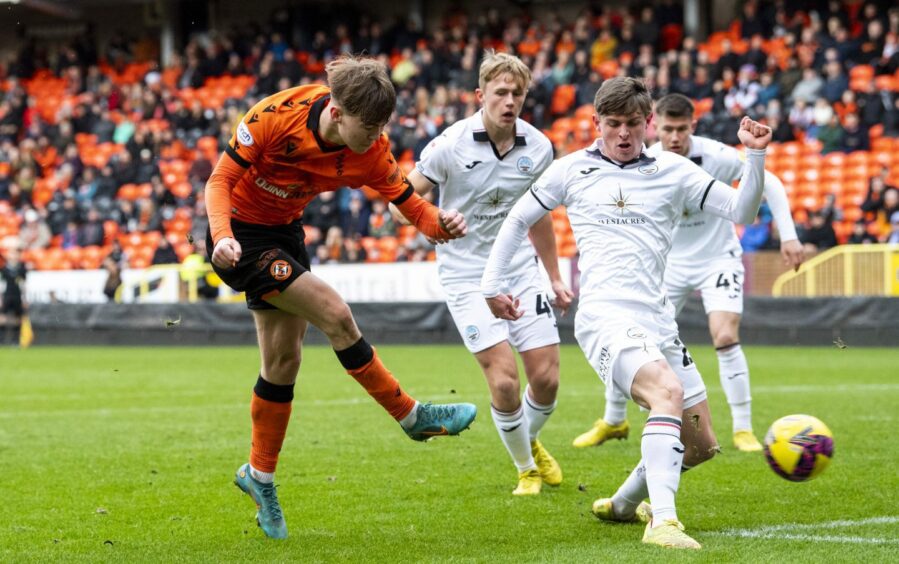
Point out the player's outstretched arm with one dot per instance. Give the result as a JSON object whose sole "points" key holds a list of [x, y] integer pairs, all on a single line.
{"points": [[743, 205], [790, 248], [544, 239], [524, 214], [421, 185]]}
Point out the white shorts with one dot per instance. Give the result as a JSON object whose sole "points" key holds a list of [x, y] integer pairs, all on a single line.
{"points": [[480, 330], [720, 284], [618, 341]]}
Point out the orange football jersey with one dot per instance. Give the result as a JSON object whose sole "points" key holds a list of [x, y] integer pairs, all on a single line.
{"points": [[288, 163]]}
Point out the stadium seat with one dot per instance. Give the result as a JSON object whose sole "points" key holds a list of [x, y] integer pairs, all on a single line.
{"points": [[861, 72], [562, 99], [387, 249]]}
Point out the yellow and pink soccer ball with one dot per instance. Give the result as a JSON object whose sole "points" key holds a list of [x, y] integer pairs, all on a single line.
{"points": [[798, 447]]}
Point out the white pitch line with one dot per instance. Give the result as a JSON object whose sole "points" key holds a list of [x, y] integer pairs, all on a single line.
{"points": [[885, 520], [781, 532]]}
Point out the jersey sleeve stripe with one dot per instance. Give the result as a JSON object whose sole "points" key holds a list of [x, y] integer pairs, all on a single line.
{"points": [[539, 202], [706, 195], [431, 180], [407, 193], [237, 158]]}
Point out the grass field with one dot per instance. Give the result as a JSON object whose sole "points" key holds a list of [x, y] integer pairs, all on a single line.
{"points": [[127, 454]]}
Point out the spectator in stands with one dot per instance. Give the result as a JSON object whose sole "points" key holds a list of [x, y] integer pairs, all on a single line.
{"points": [[768, 90], [751, 23], [809, 88], [107, 186], [872, 104], [146, 167], [380, 222], [34, 232], [893, 237], [756, 235], [889, 208], [70, 235], [874, 199], [323, 212], [860, 235], [123, 168], [745, 92], [164, 253], [91, 231], [891, 119], [836, 82], [322, 255], [854, 137], [831, 135], [352, 251], [819, 234]]}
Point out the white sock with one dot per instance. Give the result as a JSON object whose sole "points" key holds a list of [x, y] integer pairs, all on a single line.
{"points": [[616, 407], [631, 492], [663, 454], [734, 374], [260, 476], [535, 413], [409, 421], [513, 431]]}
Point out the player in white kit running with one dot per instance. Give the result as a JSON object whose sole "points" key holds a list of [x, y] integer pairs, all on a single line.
{"points": [[483, 165], [706, 256], [623, 205]]}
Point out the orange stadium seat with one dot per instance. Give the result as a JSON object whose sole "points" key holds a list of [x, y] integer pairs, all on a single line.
{"points": [[563, 99], [861, 72], [387, 249], [92, 257]]}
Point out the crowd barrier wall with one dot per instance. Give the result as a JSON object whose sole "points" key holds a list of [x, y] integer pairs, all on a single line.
{"points": [[862, 321]]}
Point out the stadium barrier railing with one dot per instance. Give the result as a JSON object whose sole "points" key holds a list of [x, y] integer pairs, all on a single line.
{"points": [[846, 270]]}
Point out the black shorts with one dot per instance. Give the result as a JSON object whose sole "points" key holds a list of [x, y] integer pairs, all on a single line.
{"points": [[272, 257], [12, 305]]}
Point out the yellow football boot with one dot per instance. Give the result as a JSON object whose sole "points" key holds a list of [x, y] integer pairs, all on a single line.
{"points": [[603, 510], [670, 534], [602, 432], [745, 441], [529, 483], [547, 466]]}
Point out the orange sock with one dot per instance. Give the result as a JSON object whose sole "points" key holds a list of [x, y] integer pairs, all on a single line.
{"points": [[270, 420], [362, 363]]}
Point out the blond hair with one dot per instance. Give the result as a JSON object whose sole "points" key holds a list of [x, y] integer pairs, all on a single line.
{"points": [[495, 64], [622, 96], [362, 88]]}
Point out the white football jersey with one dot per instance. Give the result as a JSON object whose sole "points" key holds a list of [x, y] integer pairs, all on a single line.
{"points": [[699, 235], [483, 186], [623, 218]]}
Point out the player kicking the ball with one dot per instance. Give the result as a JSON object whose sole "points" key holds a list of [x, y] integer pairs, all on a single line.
{"points": [[623, 206], [289, 148]]}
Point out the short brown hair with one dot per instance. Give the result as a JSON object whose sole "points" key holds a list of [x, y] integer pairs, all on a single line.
{"points": [[674, 106], [494, 64], [362, 88], [622, 96]]}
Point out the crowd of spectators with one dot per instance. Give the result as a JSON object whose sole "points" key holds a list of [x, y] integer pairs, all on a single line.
{"points": [[123, 146]]}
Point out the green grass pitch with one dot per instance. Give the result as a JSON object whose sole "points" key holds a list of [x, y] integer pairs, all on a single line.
{"points": [[127, 455]]}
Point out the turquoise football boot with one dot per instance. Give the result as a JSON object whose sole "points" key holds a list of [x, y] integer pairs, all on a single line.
{"points": [[433, 420], [269, 516]]}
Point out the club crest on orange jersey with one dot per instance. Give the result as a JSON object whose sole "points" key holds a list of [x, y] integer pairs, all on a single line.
{"points": [[280, 270]]}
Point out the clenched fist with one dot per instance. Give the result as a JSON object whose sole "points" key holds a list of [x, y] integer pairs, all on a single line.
{"points": [[754, 135]]}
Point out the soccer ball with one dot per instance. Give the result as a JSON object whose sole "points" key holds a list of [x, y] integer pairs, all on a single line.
{"points": [[798, 447]]}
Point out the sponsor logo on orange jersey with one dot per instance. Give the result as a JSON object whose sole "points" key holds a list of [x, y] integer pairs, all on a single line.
{"points": [[280, 270]]}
